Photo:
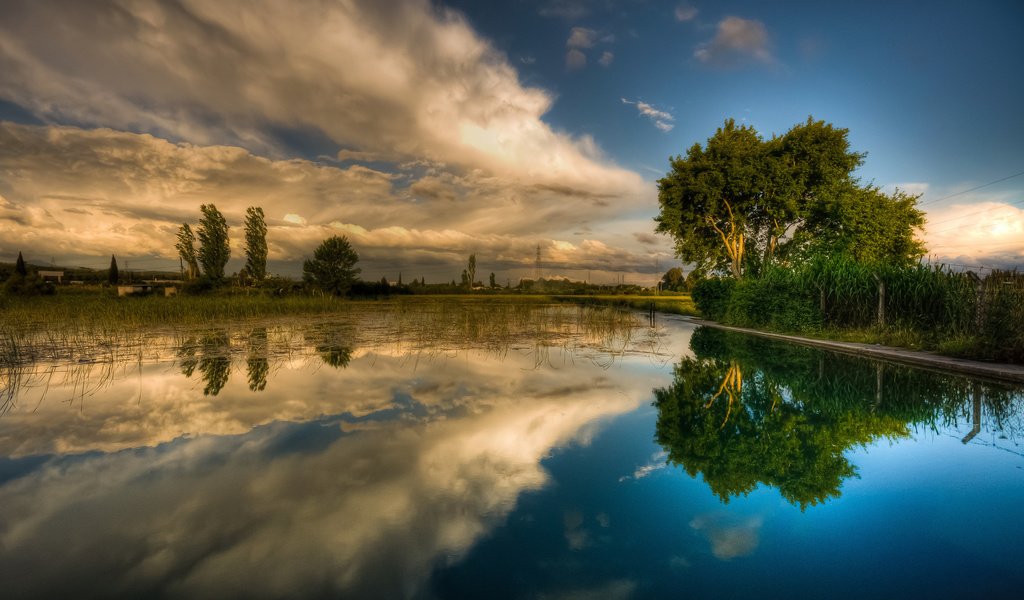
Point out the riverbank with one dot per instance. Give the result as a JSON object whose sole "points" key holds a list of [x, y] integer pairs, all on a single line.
{"points": [[928, 360]]}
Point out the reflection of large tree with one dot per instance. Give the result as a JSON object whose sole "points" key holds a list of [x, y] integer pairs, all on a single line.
{"points": [[747, 411]]}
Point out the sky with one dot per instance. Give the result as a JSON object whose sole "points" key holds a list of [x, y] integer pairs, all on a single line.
{"points": [[426, 131]]}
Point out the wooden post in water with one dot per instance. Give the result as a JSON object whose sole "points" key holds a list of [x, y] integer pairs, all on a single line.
{"points": [[976, 393]]}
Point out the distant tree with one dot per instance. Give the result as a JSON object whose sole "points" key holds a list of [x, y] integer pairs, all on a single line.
{"points": [[214, 246], [399, 278], [465, 279], [19, 267], [493, 284], [113, 276], [255, 243], [384, 283], [186, 247], [673, 280], [332, 267], [471, 270]]}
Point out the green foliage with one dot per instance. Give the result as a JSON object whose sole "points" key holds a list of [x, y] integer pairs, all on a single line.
{"points": [[712, 297], [773, 301], [746, 411], [739, 195], [471, 270], [255, 243], [924, 306], [214, 246], [332, 268], [673, 280], [863, 223], [186, 248], [30, 285]]}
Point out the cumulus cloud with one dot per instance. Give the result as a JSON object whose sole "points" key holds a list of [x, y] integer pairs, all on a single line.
{"points": [[606, 59], [138, 189], [398, 77], [575, 59], [685, 12], [581, 37], [662, 120], [736, 41]]}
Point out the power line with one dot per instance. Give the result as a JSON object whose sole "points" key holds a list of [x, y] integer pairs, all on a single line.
{"points": [[971, 189]]}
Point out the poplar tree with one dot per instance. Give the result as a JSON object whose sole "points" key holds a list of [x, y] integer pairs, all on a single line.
{"points": [[255, 243], [186, 247], [214, 246]]}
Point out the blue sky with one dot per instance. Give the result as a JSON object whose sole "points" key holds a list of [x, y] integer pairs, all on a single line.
{"points": [[428, 131]]}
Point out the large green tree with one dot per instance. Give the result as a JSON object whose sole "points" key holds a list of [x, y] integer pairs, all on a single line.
{"points": [[255, 243], [186, 247], [741, 196], [332, 268], [214, 246], [865, 224]]}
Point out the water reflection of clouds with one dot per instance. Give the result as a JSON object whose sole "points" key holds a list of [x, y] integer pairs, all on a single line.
{"points": [[729, 537], [330, 504]]}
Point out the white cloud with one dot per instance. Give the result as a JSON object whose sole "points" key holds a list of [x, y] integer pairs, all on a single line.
{"points": [[581, 37], [606, 59], [575, 59], [736, 41], [685, 12], [988, 232], [662, 119], [74, 193], [391, 77]]}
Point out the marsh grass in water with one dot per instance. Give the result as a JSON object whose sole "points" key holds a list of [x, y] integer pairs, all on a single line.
{"points": [[211, 340]]}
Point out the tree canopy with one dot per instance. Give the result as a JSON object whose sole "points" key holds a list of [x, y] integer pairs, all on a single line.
{"points": [[186, 247], [743, 202], [214, 246], [332, 268], [255, 243]]}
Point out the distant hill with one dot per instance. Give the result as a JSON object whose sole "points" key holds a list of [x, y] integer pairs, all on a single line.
{"points": [[86, 274]]}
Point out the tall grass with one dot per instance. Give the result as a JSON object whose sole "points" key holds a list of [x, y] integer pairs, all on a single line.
{"points": [[924, 306]]}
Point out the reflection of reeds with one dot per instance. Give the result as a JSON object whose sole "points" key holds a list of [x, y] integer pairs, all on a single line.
{"points": [[90, 357]]}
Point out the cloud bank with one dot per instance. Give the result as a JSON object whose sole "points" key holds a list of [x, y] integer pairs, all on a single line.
{"points": [[421, 132]]}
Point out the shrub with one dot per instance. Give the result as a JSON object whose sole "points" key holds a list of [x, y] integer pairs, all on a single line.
{"points": [[712, 297]]}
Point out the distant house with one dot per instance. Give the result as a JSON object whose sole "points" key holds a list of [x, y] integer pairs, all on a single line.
{"points": [[163, 287], [58, 276]]}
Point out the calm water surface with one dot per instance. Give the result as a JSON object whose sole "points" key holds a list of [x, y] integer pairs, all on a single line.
{"points": [[538, 452]]}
